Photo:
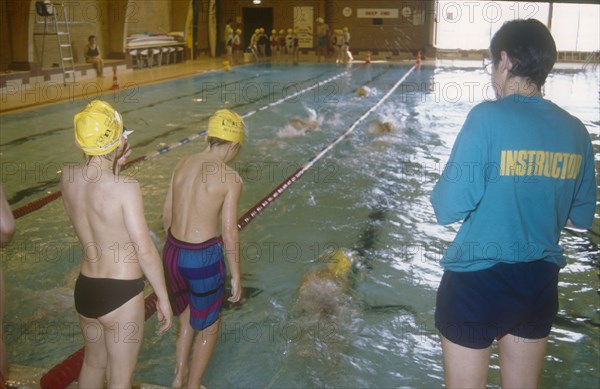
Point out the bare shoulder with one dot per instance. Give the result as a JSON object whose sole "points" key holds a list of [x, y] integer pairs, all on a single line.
{"points": [[232, 177], [128, 186]]}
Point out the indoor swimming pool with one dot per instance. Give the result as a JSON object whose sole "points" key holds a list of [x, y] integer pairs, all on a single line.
{"points": [[368, 195]]}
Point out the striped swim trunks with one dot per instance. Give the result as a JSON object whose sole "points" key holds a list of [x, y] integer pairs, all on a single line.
{"points": [[195, 274]]}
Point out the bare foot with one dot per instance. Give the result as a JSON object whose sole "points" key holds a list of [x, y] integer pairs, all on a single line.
{"points": [[178, 380]]}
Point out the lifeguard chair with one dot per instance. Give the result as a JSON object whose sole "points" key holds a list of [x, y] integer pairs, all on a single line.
{"points": [[48, 10]]}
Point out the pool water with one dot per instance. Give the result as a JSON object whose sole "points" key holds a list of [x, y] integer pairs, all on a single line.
{"points": [[368, 196]]}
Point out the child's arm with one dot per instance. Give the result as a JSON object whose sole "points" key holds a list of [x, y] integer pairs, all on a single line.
{"points": [[7, 220], [148, 257], [231, 235]]}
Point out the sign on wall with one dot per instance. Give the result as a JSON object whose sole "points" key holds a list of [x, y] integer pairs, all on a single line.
{"points": [[377, 13], [304, 23]]}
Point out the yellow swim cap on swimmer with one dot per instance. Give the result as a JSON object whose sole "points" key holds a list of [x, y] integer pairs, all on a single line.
{"points": [[226, 125], [282, 31], [340, 263], [98, 128], [273, 31], [238, 31], [289, 30], [361, 91]]}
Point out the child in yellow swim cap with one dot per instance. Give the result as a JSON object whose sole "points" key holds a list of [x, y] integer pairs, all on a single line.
{"points": [[226, 125], [99, 131], [201, 204], [106, 211]]}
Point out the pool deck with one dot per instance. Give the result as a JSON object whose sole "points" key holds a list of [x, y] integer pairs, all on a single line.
{"points": [[17, 95], [29, 377]]}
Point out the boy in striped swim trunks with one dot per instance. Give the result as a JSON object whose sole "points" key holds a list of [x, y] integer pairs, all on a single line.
{"points": [[202, 187]]}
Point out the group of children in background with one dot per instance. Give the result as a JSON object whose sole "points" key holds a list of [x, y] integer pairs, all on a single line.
{"points": [[281, 45]]}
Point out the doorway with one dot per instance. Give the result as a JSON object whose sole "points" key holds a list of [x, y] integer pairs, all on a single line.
{"points": [[253, 18]]}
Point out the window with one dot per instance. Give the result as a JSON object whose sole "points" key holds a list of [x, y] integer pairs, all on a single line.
{"points": [[470, 25], [575, 27]]}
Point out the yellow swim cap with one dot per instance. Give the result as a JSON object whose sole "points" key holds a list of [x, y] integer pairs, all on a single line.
{"points": [[273, 31], [361, 91], [282, 31], [340, 263], [289, 30], [238, 31], [98, 128], [227, 125]]}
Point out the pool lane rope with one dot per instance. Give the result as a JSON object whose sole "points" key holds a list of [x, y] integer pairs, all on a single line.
{"points": [[37, 204], [275, 193], [61, 375]]}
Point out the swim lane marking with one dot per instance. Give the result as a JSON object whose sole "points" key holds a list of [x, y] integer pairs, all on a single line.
{"points": [[248, 114], [37, 204], [275, 193]]}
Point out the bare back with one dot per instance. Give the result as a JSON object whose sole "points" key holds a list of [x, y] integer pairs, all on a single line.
{"points": [[105, 211], [202, 187]]}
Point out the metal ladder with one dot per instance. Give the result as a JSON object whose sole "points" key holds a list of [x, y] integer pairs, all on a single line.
{"points": [[63, 37]]}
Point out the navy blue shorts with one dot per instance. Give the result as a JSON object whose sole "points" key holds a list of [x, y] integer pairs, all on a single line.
{"points": [[474, 308]]}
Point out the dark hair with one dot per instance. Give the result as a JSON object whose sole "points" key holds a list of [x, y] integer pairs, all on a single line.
{"points": [[214, 141], [530, 47], [90, 37]]}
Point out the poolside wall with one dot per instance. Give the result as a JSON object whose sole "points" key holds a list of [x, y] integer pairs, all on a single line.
{"points": [[398, 37]]}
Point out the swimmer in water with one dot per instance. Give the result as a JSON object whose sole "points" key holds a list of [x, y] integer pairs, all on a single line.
{"points": [[304, 125], [324, 292], [363, 91], [379, 127]]}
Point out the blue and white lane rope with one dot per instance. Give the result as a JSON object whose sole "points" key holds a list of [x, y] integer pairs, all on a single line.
{"points": [[247, 115], [275, 193]]}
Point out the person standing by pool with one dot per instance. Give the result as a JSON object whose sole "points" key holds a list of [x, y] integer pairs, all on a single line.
{"points": [[106, 211], [229, 42], [520, 170], [282, 46], [7, 230], [347, 54], [237, 45], [203, 187], [322, 33], [92, 55]]}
